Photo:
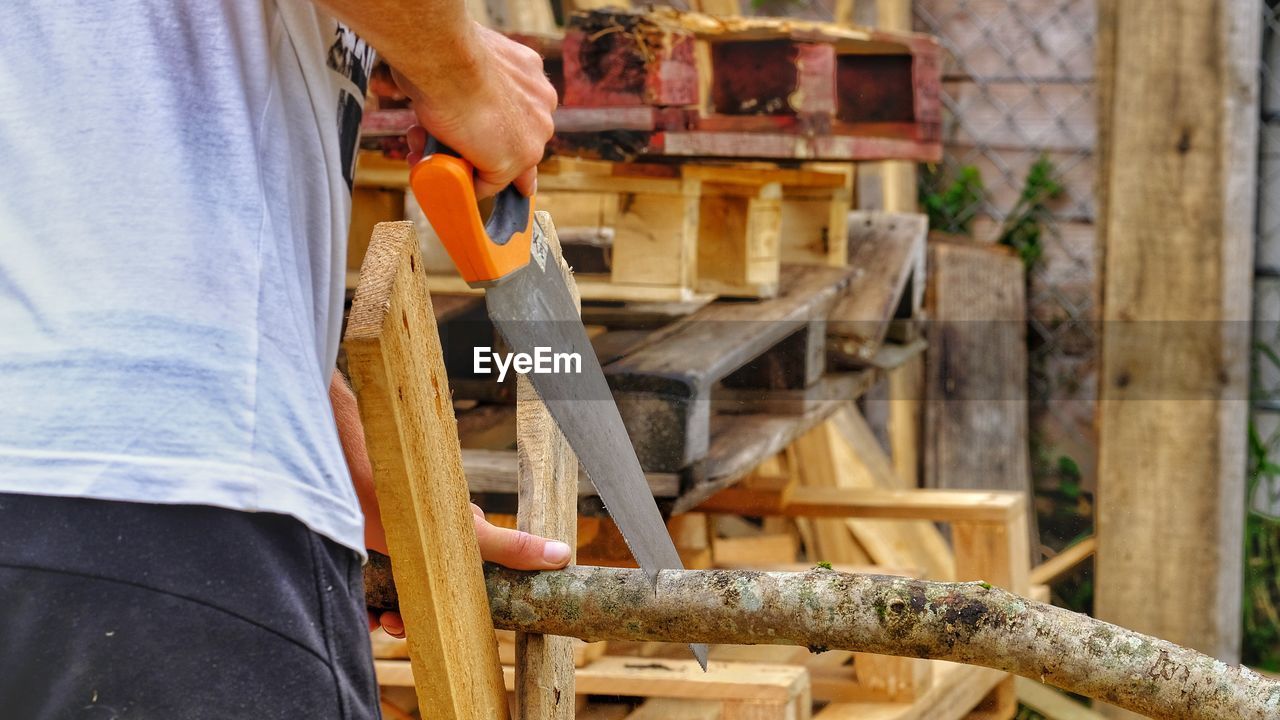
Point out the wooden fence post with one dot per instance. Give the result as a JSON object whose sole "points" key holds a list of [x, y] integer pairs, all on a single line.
{"points": [[1178, 81]]}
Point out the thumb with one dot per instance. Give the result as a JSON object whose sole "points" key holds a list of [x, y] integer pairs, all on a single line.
{"points": [[519, 550]]}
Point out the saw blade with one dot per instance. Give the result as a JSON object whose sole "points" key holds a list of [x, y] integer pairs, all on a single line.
{"points": [[535, 314]]}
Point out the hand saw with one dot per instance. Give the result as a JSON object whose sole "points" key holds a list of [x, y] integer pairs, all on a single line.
{"points": [[531, 306]]}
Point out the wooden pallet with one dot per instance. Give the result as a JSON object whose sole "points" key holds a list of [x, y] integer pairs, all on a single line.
{"points": [[744, 691], [758, 358], [715, 228], [846, 481], [645, 232], [664, 83], [757, 87], [707, 397]]}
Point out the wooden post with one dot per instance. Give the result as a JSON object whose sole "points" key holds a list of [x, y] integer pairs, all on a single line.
{"points": [[898, 177], [397, 371], [548, 506], [1178, 85], [898, 187]]}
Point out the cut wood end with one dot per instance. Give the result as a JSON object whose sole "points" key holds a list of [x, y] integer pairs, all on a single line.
{"points": [[391, 243]]}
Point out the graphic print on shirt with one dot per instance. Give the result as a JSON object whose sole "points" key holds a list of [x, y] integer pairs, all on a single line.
{"points": [[352, 58]]}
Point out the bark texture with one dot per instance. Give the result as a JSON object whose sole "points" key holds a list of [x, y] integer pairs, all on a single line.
{"points": [[971, 623]]}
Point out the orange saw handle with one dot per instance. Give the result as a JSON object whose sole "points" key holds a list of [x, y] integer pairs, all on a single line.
{"points": [[483, 251]]}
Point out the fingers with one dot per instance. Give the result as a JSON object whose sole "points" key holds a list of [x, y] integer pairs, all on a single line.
{"points": [[527, 182], [486, 188], [518, 550], [392, 623], [511, 548], [416, 138]]}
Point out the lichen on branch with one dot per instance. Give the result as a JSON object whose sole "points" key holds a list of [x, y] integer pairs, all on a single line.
{"points": [[822, 609]]}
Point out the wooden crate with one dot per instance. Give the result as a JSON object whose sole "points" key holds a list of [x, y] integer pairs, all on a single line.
{"points": [[653, 233]]}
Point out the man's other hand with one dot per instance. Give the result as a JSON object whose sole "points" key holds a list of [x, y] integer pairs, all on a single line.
{"points": [[497, 113], [512, 548]]}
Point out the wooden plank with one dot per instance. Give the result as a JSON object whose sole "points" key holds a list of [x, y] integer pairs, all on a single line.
{"points": [[757, 551], [681, 679], [866, 677], [797, 362], [956, 689], [888, 251], [1050, 702], [898, 177], [994, 552], [670, 709], [906, 418], [619, 58], [1065, 561], [740, 217], [833, 389], [1174, 374], [397, 371], [548, 506], [594, 288], [494, 471], [603, 710], [815, 219], [856, 461], [739, 443], [583, 653], [370, 206], [782, 146], [663, 389], [999, 704], [738, 240], [976, 412], [878, 503]]}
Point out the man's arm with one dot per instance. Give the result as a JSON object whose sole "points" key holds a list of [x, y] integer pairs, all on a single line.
{"points": [[476, 91]]}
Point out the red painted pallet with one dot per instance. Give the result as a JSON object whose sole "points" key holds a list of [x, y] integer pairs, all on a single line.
{"points": [[665, 83], [777, 77]]}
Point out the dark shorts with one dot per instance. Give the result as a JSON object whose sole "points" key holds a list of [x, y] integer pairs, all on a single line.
{"points": [[136, 611]]}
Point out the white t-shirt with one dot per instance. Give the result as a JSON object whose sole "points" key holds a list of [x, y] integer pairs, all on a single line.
{"points": [[174, 197]]}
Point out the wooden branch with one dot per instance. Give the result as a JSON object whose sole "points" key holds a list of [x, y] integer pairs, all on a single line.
{"points": [[548, 506], [397, 371], [971, 623]]}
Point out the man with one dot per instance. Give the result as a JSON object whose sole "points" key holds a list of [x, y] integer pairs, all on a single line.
{"points": [[180, 536]]}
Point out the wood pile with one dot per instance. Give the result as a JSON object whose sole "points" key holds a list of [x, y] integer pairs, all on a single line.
{"points": [[703, 184], [830, 496], [774, 483]]}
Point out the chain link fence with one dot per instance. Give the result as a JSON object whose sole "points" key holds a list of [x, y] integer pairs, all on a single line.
{"points": [[1020, 129], [1266, 415], [1262, 528]]}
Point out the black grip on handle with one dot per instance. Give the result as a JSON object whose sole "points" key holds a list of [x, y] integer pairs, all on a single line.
{"points": [[510, 208]]}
